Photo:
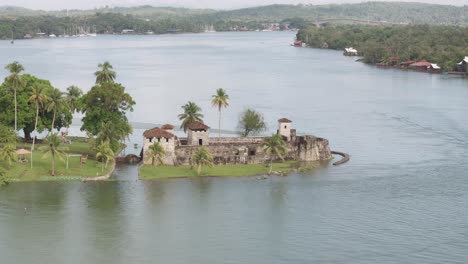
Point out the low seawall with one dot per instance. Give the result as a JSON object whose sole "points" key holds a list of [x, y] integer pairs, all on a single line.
{"points": [[346, 158]]}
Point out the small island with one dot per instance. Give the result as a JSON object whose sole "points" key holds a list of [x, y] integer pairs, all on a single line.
{"points": [[229, 156]]}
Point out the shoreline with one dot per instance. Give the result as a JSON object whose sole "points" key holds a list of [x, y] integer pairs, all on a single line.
{"points": [[148, 172]]}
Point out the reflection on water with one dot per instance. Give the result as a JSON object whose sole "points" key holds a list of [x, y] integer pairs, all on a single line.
{"points": [[401, 199]]}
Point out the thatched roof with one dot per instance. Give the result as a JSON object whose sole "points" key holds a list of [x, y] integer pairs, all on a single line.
{"points": [[157, 133], [197, 126], [168, 127], [284, 120]]}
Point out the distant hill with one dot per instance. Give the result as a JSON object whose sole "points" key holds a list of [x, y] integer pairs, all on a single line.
{"points": [[20, 22], [396, 12]]}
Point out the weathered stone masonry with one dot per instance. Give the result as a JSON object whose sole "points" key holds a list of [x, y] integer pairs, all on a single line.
{"points": [[232, 150]]}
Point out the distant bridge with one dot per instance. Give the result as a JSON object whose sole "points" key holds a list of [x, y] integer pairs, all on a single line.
{"points": [[324, 22]]}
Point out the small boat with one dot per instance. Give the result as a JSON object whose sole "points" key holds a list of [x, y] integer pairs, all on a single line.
{"points": [[52, 36], [297, 43]]}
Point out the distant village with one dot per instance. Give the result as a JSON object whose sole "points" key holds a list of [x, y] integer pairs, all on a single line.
{"points": [[420, 66]]}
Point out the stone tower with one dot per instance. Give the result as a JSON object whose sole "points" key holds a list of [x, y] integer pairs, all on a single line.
{"points": [[285, 126], [198, 134]]}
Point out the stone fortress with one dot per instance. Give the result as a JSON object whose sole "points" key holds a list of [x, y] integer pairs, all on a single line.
{"points": [[232, 150]]}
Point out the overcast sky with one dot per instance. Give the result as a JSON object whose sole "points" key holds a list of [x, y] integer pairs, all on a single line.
{"points": [[217, 4]]}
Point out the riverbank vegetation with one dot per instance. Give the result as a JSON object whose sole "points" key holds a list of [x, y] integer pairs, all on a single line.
{"points": [[78, 151], [41, 111], [443, 45]]}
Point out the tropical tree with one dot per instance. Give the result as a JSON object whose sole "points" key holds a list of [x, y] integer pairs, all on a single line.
{"points": [[73, 95], [251, 122], [105, 74], [53, 149], [7, 135], [275, 147], [104, 153], [107, 103], [202, 157], [191, 114], [8, 154], [220, 100], [156, 153], [39, 98], [16, 82], [56, 103]]}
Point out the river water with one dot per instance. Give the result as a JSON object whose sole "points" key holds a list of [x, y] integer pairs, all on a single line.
{"points": [[403, 198]]}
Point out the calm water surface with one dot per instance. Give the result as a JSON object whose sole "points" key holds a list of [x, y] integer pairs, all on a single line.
{"points": [[403, 198]]}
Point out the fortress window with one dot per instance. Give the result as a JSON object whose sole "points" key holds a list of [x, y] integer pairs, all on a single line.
{"points": [[252, 153], [151, 140], [159, 139], [285, 127], [200, 142], [167, 140]]}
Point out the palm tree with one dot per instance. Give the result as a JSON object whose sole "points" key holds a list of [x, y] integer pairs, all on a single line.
{"points": [[105, 74], [220, 100], [53, 149], [8, 154], [275, 146], [156, 153], [191, 114], [202, 157], [105, 153], [55, 104], [39, 98], [16, 81], [73, 94]]}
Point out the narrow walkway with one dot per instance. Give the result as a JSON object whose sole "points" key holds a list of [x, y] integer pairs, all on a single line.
{"points": [[345, 156]]}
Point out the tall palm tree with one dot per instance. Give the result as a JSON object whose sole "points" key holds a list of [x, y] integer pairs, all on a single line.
{"points": [[220, 100], [105, 74], [202, 157], [53, 149], [8, 154], [105, 153], [55, 104], [156, 153], [16, 81], [39, 98], [275, 146], [191, 114], [72, 95]]}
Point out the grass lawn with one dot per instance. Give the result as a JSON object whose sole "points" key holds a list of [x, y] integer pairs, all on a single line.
{"points": [[42, 168], [148, 172]]}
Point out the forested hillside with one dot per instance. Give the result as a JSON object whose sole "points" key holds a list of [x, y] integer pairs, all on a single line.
{"points": [[444, 45], [20, 22]]}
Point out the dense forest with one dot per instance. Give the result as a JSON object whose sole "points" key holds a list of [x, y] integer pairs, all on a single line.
{"points": [[18, 22], [444, 45]]}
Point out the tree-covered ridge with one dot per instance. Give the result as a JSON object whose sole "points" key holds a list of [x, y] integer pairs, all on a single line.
{"points": [[19, 22], [444, 45]]}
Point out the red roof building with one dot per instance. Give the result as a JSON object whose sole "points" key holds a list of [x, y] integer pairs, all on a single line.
{"points": [[421, 64]]}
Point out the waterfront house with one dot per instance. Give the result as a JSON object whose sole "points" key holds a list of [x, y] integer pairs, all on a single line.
{"points": [[420, 65], [434, 68], [461, 66], [406, 64], [350, 52]]}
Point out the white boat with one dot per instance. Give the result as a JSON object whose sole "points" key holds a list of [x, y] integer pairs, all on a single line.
{"points": [[91, 35], [52, 36]]}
